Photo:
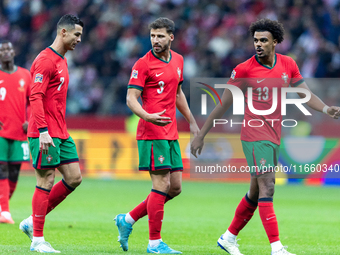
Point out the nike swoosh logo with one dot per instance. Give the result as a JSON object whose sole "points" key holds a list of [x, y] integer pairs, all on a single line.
{"points": [[1, 81], [61, 71], [270, 218], [159, 74], [260, 80]]}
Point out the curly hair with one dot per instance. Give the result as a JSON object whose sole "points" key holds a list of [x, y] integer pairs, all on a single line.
{"points": [[272, 26]]}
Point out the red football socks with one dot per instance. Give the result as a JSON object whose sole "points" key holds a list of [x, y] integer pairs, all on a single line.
{"points": [[268, 219], [244, 212], [155, 209], [140, 210], [58, 193], [39, 207], [12, 187], [4, 195]]}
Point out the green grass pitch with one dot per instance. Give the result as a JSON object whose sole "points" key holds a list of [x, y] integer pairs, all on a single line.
{"points": [[309, 219]]}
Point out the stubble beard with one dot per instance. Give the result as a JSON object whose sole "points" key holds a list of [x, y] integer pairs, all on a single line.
{"points": [[163, 49]]}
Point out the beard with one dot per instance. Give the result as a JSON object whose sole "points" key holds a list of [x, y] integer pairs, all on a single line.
{"points": [[162, 49]]}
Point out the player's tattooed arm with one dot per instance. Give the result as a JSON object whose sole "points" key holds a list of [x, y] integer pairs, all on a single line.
{"points": [[318, 105], [136, 108]]}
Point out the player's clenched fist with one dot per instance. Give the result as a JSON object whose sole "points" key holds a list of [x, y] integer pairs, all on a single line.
{"points": [[334, 112], [197, 146]]}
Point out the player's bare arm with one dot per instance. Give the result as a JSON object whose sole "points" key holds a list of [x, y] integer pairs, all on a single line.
{"points": [[316, 103], [198, 143], [136, 108], [1, 125], [183, 107]]}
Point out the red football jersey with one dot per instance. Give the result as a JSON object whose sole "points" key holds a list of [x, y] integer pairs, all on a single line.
{"points": [[158, 80], [48, 94], [14, 93], [262, 79]]}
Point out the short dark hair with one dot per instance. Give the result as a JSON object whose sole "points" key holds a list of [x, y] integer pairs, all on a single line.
{"points": [[272, 26], [69, 20], [162, 22]]}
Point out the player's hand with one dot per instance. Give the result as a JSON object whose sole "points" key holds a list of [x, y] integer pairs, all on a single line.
{"points": [[1, 125], [197, 145], [25, 126], [194, 129], [333, 112], [45, 141], [157, 119]]}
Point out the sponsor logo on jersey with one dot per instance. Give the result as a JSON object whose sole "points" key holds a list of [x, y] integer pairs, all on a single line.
{"points": [[49, 158], [161, 159], [159, 74], [284, 77], [179, 72], [259, 81], [233, 74], [38, 78], [134, 74]]}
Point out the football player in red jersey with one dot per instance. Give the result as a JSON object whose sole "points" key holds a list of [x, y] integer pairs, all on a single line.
{"points": [[263, 72], [50, 144], [157, 78], [14, 92]]}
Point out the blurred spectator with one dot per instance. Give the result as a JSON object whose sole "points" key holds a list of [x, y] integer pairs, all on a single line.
{"points": [[212, 35]]}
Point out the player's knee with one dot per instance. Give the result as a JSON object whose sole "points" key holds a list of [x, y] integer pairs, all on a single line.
{"points": [[13, 172], [75, 182], [175, 191], [3, 171], [270, 190], [253, 196]]}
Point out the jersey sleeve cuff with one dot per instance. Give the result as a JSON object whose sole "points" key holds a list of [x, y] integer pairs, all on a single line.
{"points": [[43, 130], [131, 86], [295, 84]]}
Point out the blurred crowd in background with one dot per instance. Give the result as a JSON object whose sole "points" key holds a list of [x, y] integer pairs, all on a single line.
{"points": [[212, 35]]}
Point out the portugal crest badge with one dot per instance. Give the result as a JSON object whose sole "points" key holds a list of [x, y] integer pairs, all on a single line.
{"points": [[161, 159], [49, 158], [284, 77]]}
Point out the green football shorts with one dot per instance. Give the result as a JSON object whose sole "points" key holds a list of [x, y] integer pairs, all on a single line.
{"points": [[262, 156], [157, 155], [13, 151], [64, 152]]}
